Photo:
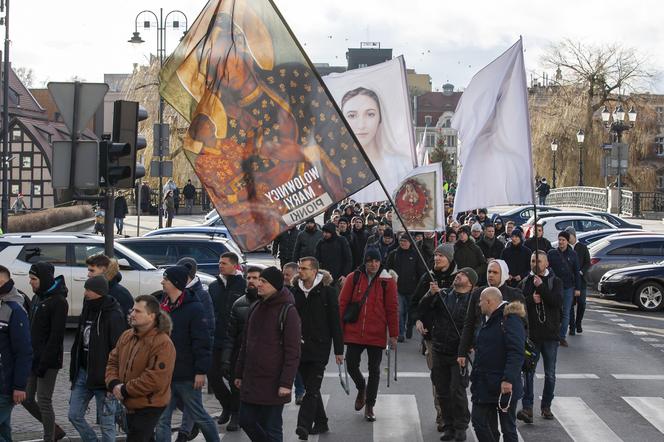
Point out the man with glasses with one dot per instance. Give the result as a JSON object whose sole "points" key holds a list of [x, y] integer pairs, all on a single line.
{"points": [[496, 385], [316, 302]]}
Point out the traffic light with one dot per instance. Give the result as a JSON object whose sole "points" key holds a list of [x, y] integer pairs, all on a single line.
{"points": [[125, 142], [111, 171]]}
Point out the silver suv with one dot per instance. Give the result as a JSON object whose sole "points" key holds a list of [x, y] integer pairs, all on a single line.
{"points": [[68, 252]]}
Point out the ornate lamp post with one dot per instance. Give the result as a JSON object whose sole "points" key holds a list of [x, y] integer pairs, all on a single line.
{"points": [[580, 136], [616, 128], [554, 149]]}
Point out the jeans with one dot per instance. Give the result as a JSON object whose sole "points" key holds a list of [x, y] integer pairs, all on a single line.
{"points": [[580, 303], [312, 409], [568, 298], [189, 205], [262, 423], [78, 406], [485, 423], [6, 407], [119, 224], [299, 385], [183, 391], [353, 353], [548, 350], [404, 303], [228, 397], [141, 423], [451, 392], [42, 408], [542, 200]]}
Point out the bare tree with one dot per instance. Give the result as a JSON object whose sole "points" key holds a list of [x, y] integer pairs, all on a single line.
{"points": [[26, 75]]}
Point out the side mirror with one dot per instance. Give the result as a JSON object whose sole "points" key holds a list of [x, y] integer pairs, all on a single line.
{"points": [[124, 264]]}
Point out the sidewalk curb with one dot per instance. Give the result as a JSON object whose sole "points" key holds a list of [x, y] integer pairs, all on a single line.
{"points": [[76, 226]]}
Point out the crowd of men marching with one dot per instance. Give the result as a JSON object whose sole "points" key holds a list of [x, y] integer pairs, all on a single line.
{"points": [[486, 312]]}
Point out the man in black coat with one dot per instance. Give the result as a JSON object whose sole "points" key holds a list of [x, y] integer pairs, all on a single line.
{"points": [[468, 254], [583, 256], [224, 291], [538, 241], [544, 294], [444, 313], [189, 192], [405, 261], [360, 238], [48, 317], [307, 240], [333, 254], [565, 265], [284, 245], [491, 246], [517, 257], [120, 211], [316, 300], [101, 264], [100, 325]]}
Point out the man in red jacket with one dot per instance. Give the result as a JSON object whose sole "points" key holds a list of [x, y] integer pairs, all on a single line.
{"points": [[375, 292]]}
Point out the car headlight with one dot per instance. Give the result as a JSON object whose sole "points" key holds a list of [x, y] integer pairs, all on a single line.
{"points": [[617, 277]]}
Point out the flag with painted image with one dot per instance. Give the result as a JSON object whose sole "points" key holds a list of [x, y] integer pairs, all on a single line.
{"points": [[494, 132], [419, 199], [265, 137]]}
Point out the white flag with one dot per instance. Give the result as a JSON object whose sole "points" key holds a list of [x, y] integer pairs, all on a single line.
{"points": [[494, 130], [419, 200], [422, 149]]}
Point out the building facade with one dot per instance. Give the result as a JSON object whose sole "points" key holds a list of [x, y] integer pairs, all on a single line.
{"points": [[433, 112]]}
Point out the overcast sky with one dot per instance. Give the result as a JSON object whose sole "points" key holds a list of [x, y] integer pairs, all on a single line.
{"points": [[448, 40]]}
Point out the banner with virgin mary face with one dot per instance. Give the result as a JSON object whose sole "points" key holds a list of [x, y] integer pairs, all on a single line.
{"points": [[265, 138], [374, 100]]}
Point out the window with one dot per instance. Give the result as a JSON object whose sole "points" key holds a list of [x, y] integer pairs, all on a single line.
{"points": [[430, 140], [632, 249], [15, 189], [199, 252], [26, 161], [562, 225], [157, 253], [16, 134], [660, 179], [84, 251], [653, 248], [660, 113], [56, 254], [659, 146], [451, 140], [587, 225]]}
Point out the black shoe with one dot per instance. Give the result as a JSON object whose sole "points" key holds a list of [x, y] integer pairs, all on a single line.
{"points": [[302, 433], [460, 435], [194, 432], [525, 415], [401, 339], [440, 427], [572, 331], [182, 437], [448, 434], [409, 332], [224, 417], [234, 424], [369, 414], [579, 329], [59, 433], [298, 399], [546, 413], [319, 429]]}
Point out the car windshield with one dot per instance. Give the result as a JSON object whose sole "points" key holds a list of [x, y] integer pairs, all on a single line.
{"points": [[598, 246], [134, 257]]}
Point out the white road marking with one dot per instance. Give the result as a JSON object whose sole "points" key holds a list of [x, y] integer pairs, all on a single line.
{"points": [[658, 345], [598, 331], [639, 377], [571, 376], [650, 339], [405, 374], [651, 408], [398, 419], [617, 319], [638, 333], [610, 315], [626, 325], [580, 422]]}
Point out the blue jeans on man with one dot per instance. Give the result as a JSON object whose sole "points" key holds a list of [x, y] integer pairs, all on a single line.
{"points": [[6, 407], [262, 422], [568, 299], [548, 352], [78, 406], [299, 386], [192, 399]]}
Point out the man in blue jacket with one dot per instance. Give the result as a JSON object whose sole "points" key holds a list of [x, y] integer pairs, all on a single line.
{"points": [[191, 338], [496, 385], [15, 350], [565, 265]]}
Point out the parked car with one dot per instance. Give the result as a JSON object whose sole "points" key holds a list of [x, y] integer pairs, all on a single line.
{"points": [[624, 250], [615, 220], [527, 227], [588, 238], [211, 214], [553, 225], [521, 214], [641, 285], [68, 252], [165, 250], [210, 231]]}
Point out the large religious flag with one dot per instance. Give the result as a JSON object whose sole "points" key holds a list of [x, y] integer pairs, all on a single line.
{"points": [[265, 137], [494, 130]]}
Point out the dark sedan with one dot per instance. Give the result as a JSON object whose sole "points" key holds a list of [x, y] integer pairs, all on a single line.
{"points": [[521, 214], [641, 285], [615, 220]]}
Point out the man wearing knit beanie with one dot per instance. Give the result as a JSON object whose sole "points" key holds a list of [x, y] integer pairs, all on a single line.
{"points": [[178, 276], [265, 377], [100, 325]]}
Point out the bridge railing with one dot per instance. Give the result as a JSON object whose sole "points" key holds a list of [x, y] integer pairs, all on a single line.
{"points": [[586, 197]]}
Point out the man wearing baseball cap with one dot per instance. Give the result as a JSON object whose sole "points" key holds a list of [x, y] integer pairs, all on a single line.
{"points": [[191, 338]]}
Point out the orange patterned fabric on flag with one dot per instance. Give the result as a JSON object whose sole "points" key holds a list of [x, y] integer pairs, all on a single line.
{"points": [[265, 138]]}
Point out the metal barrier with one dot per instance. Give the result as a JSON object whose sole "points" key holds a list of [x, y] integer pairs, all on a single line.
{"points": [[647, 202], [586, 197], [201, 200], [627, 203]]}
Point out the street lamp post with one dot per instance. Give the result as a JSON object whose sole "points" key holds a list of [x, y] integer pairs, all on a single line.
{"points": [[617, 127], [162, 25], [554, 149], [4, 4], [580, 136]]}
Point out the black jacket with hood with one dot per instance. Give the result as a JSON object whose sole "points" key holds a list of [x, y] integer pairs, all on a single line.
{"points": [[108, 323], [333, 254], [319, 313], [235, 328], [117, 290], [223, 296], [444, 278], [409, 268], [48, 318]]}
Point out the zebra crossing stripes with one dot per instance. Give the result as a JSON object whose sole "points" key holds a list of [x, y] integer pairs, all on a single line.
{"points": [[651, 408], [402, 419], [580, 422]]}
